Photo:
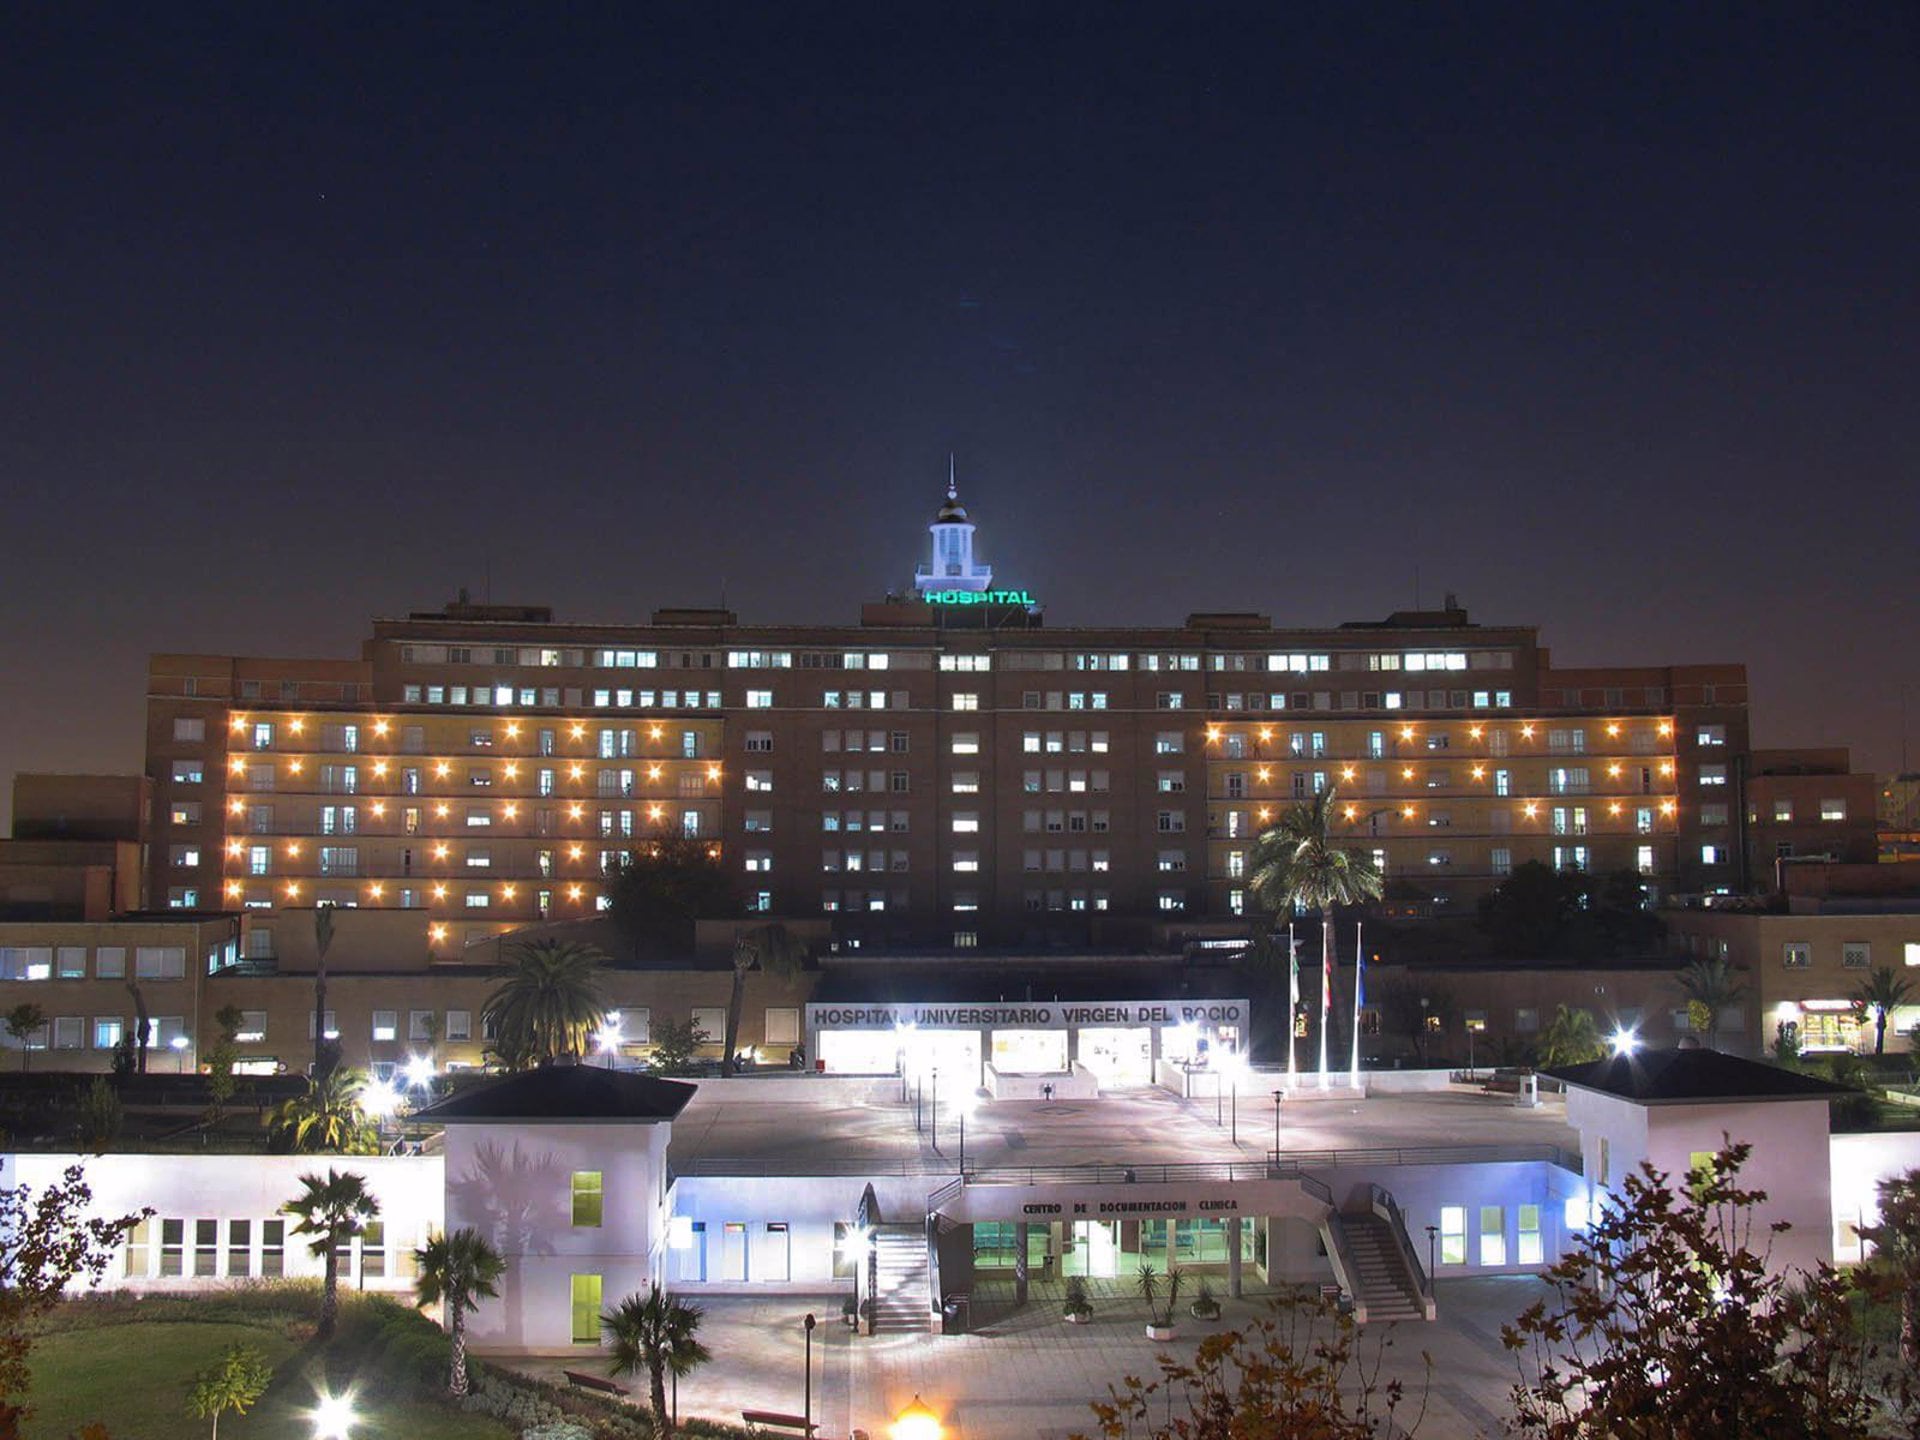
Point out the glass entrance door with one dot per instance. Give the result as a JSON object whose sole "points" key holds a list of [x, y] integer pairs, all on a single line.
{"points": [[1093, 1249]]}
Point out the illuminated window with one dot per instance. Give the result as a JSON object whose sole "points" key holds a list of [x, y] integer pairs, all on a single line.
{"points": [[1453, 1234], [1493, 1235], [586, 1310], [587, 1198]]}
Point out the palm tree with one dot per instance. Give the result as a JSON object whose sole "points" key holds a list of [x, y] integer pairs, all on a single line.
{"points": [[655, 1334], [766, 947], [1880, 993], [331, 1211], [1710, 989], [23, 1023], [1571, 1038], [324, 1054], [326, 1118], [1298, 863], [546, 1002], [459, 1268]]}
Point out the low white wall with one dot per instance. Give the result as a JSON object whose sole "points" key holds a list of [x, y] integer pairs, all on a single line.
{"points": [[1860, 1163], [1080, 1085], [223, 1189]]}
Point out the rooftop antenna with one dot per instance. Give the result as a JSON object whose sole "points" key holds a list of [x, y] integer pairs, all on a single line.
{"points": [[953, 490]]}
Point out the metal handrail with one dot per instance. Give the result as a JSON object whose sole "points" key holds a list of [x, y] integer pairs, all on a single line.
{"points": [[1426, 1155], [1388, 1209], [1110, 1174], [1345, 1270], [812, 1165]]}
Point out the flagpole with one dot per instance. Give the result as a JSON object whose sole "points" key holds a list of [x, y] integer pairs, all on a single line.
{"points": [[1327, 942], [1359, 992], [1293, 1006]]}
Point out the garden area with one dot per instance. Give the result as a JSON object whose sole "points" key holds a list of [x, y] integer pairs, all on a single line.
{"points": [[129, 1365]]}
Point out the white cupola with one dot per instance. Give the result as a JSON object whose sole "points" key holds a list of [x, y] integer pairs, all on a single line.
{"points": [[953, 566]]}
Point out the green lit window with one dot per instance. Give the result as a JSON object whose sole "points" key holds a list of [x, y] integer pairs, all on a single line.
{"points": [[586, 1309], [586, 1198], [1493, 1235], [1453, 1234], [1530, 1247]]}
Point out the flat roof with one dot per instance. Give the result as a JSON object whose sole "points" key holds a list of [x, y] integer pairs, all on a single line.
{"points": [[562, 1093], [1692, 1077]]}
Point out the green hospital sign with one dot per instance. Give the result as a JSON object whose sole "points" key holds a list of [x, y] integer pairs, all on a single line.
{"points": [[978, 597]]}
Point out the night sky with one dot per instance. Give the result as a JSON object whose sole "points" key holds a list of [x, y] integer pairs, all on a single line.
{"points": [[1603, 317]]}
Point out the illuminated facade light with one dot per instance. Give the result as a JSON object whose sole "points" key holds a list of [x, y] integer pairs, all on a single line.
{"points": [[440, 851], [380, 727], [295, 765], [654, 732], [579, 731], [380, 767], [442, 810], [1614, 729], [1666, 807], [1406, 772], [576, 810], [1266, 734], [236, 806], [1265, 774], [654, 812], [506, 892], [436, 933], [293, 847], [576, 771], [1352, 811], [1531, 809], [296, 725], [1265, 813], [713, 772], [1347, 772], [509, 810], [293, 890], [239, 722], [1406, 732], [234, 849], [441, 769], [1666, 727], [511, 770], [1526, 732], [1213, 734], [513, 729], [1476, 732], [235, 889], [440, 893], [375, 890], [574, 892], [1406, 812], [1479, 772], [237, 764], [1614, 808], [576, 852], [1666, 767], [1614, 771], [653, 772]]}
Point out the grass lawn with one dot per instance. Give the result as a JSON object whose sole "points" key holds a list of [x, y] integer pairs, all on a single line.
{"points": [[134, 1379]]}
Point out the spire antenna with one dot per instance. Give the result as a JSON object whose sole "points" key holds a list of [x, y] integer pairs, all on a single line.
{"points": [[953, 490]]}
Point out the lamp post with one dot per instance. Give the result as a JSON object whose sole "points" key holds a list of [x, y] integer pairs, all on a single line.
{"points": [[1276, 1125], [1236, 1064], [933, 1106], [179, 1044], [806, 1411], [966, 1105], [610, 1037], [1433, 1234]]}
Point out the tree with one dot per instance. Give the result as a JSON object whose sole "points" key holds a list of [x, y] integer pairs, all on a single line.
{"points": [[1893, 1272], [1879, 995], [1300, 1373], [47, 1242], [1572, 1037], [770, 948], [1666, 1319], [100, 1114], [546, 1001], [1298, 863], [326, 1055], [1417, 1007], [460, 1269], [1539, 912], [142, 1026], [326, 1118], [330, 1213], [25, 1021], [658, 1334], [674, 1044], [240, 1378], [222, 1083], [1710, 988], [656, 898]]}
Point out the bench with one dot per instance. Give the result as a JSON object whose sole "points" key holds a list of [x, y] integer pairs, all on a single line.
{"points": [[1502, 1085], [582, 1380], [774, 1420]]}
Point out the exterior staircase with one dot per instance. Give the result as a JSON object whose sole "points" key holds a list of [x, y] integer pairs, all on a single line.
{"points": [[902, 1300], [1386, 1287]]}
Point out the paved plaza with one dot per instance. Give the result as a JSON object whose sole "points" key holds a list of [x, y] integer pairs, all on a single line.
{"points": [[807, 1127], [1026, 1374]]}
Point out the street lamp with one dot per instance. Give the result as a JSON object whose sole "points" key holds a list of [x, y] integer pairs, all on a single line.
{"points": [[333, 1418], [609, 1037], [806, 1412], [917, 1422], [420, 1072], [1276, 1125], [1433, 1234], [933, 1106], [1625, 1040], [179, 1044]]}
